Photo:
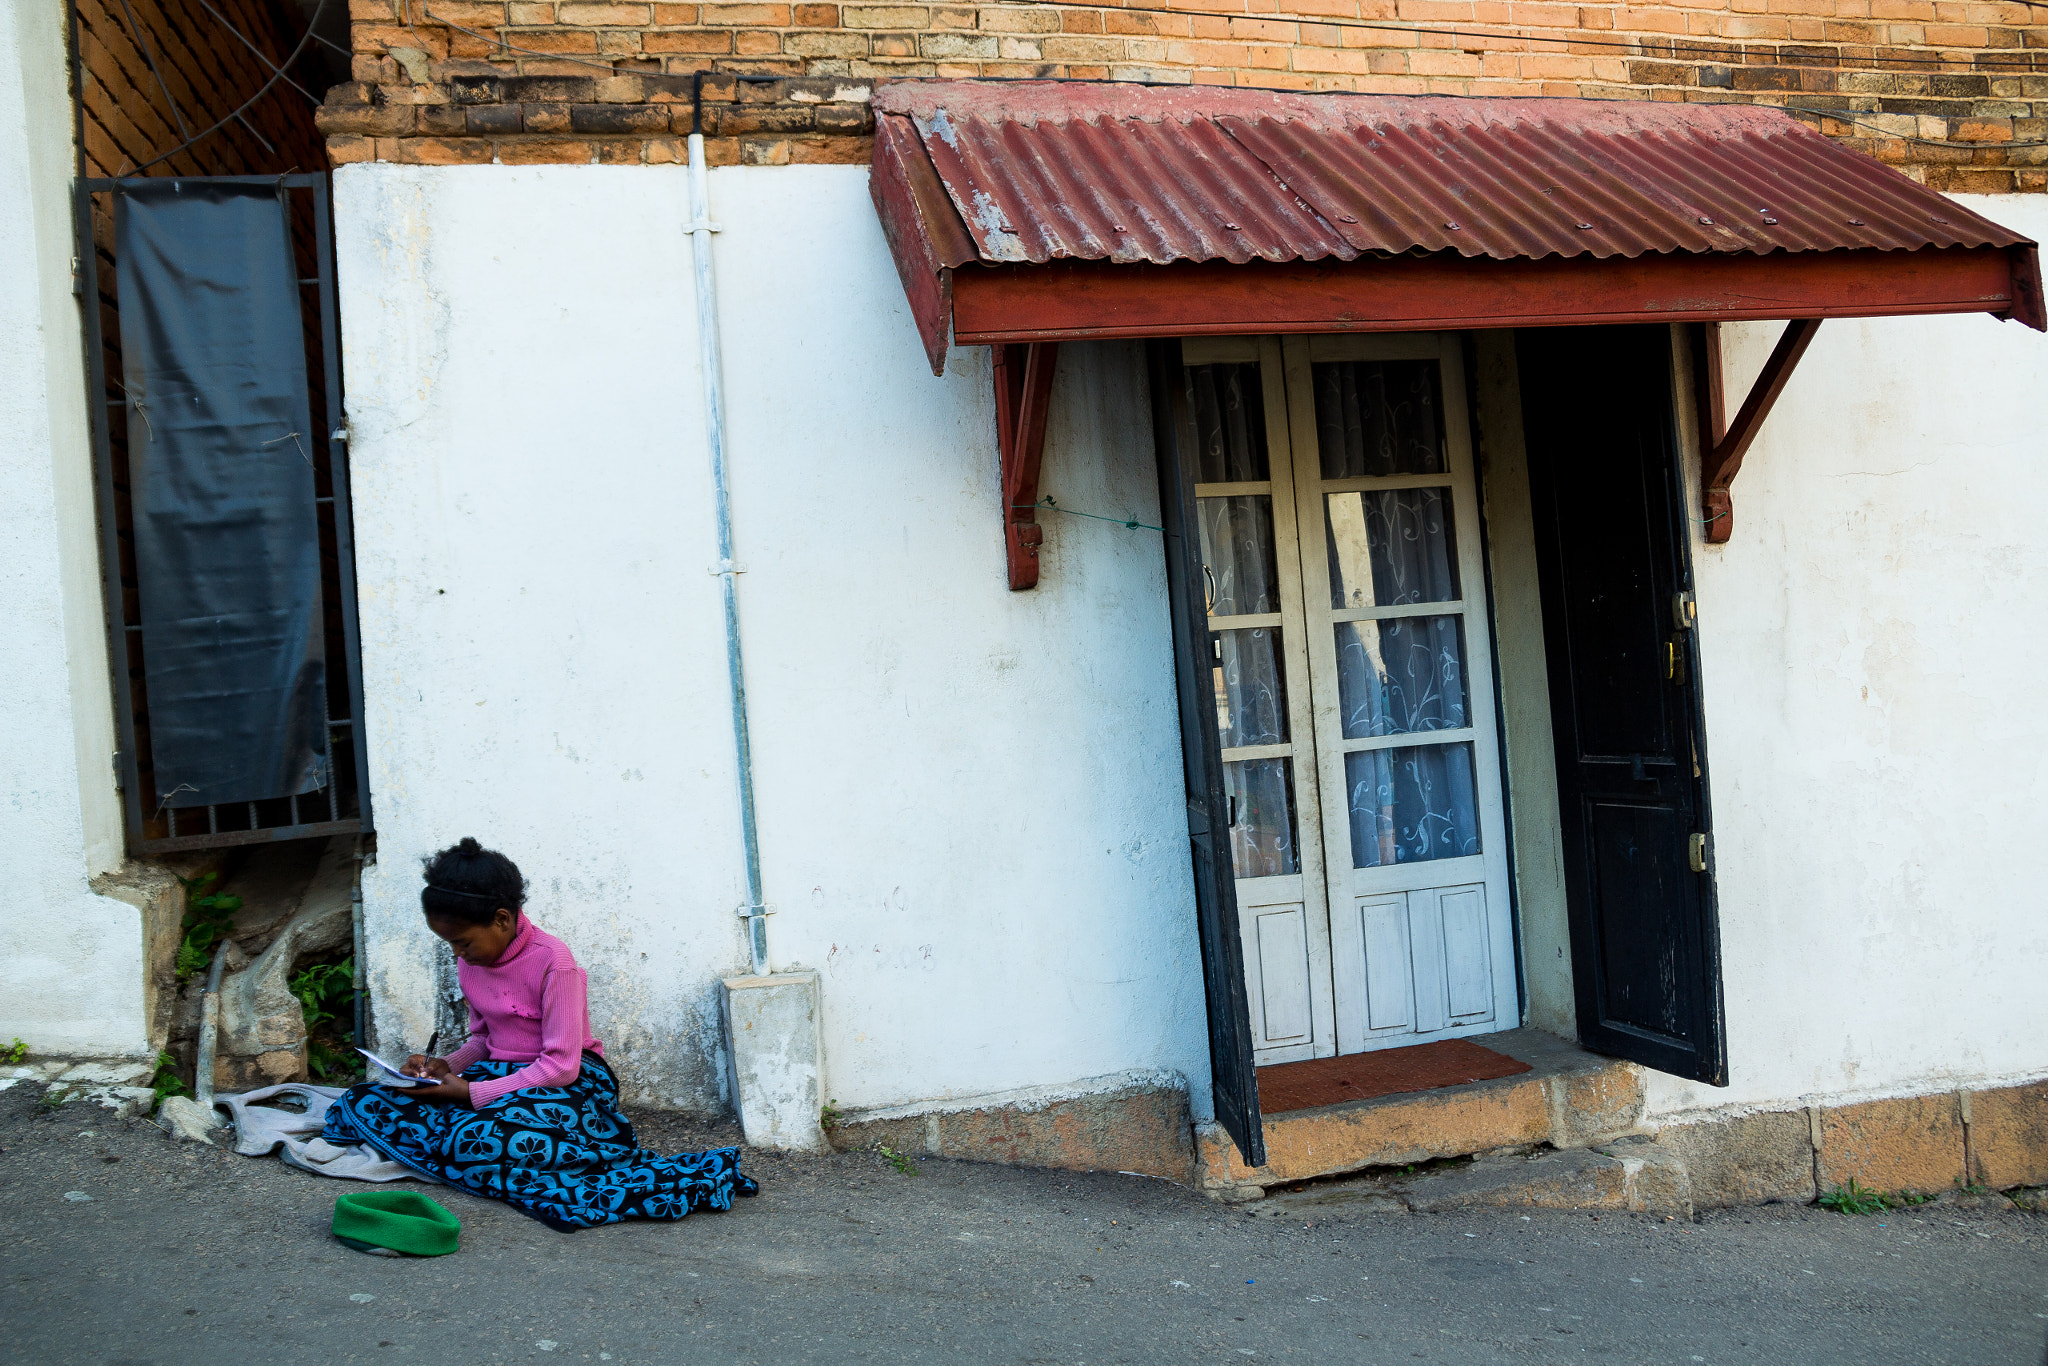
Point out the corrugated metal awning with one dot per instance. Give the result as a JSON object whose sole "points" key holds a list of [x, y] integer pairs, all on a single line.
{"points": [[1043, 210]]}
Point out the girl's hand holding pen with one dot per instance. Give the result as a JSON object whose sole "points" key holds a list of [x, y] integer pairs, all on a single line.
{"points": [[448, 1088]]}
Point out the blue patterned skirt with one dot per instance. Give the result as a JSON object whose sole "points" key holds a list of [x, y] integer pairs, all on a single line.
{"points": [[563, 1154]]}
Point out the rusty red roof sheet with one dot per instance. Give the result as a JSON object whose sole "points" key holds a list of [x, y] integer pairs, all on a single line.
{"points": [[1040, 171], [1462, 212]]}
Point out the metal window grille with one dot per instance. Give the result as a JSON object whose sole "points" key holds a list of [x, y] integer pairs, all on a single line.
{"points": [[343, 805]]}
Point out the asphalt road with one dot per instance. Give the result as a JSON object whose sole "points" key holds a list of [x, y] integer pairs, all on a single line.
{"points": [[185, 1254]]}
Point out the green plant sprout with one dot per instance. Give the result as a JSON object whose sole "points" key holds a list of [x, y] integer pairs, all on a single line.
{"points": [[1853, 1198], [14, 1052], [167, 1083], [209, 917]]}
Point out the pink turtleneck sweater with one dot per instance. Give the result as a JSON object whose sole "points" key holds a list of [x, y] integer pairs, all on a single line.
{"points": [[531, 1006]]}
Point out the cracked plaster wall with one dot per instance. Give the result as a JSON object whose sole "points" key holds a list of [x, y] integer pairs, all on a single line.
{"points": [[969, 798]]}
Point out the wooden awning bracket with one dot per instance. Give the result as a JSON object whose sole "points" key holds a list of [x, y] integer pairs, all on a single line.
{"points": [[1725, 449], [1023, 374]]}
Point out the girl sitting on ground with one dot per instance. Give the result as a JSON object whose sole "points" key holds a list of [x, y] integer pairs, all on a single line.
{"points": [[526, 1111]]}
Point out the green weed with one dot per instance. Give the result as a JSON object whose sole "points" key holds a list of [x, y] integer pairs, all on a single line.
{"points": [[167, 1083], [828, 1118], [902, 1162], [325, 990], [1853, 1198], [332, 1065], [14, 1052], [208, 918]]}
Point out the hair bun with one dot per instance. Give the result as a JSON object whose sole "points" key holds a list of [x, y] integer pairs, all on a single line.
{"points": [[469, 847]]}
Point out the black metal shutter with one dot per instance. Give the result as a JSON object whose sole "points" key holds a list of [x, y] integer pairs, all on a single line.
{"points": [[227, 537], [1230, 1024]]}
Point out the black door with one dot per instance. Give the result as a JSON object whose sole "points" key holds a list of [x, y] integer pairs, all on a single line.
{"points": [[1230, 1021], [1631, 756]]}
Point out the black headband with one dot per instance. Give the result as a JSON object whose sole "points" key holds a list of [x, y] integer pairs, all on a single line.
{"points": [[473, 896]]}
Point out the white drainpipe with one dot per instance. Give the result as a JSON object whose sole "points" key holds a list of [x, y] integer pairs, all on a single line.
{"points": [[700, 229]]}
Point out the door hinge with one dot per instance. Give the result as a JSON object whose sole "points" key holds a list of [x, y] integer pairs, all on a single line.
{"points": [[1684, 612], [119, 785], [1696, 852]]}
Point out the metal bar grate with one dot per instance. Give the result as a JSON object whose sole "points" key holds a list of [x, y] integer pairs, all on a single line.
{"points": [[153, 825]]}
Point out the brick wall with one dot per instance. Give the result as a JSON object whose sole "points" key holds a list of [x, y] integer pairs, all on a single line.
{"points": [[155, 72], [1954, 92]]}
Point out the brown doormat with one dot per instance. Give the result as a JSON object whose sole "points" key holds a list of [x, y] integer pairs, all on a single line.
{"points": [[1390, 1071]]}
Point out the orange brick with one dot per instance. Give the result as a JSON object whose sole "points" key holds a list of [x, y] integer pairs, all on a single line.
{"points": [[384, 37], [757, 44], [559, 40], [545, 153], [620, 153], [1427, 63], [1546, 16], [1553, 67], [1980, 130], [440, 151], [856, 151], [596, 14], [659, 41], [817, 16], [348, 148], [756, 15], [467, 14]]}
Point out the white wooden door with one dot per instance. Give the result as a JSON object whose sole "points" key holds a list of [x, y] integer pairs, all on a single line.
{"points": [[1354, 689], [1245, 505]]}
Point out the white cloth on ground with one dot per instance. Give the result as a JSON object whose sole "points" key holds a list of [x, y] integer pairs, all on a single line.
{"points": [[260, 1129]]}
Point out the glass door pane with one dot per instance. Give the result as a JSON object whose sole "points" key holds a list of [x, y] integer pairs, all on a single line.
{"points": [[1247, 519], [1402, 705]]}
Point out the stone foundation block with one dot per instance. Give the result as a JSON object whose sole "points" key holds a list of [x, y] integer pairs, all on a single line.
{"points": [[1578, 1179], [2009, 1136], [1909, 1143], [772, 1036], [1747, 1159], [1594, 1105], [1636, 1176], [1116, 1124]]}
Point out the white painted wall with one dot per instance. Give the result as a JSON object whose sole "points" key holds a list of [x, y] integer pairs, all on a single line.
{"points": [[1873, 650], [71, 966], [969, 799]]}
